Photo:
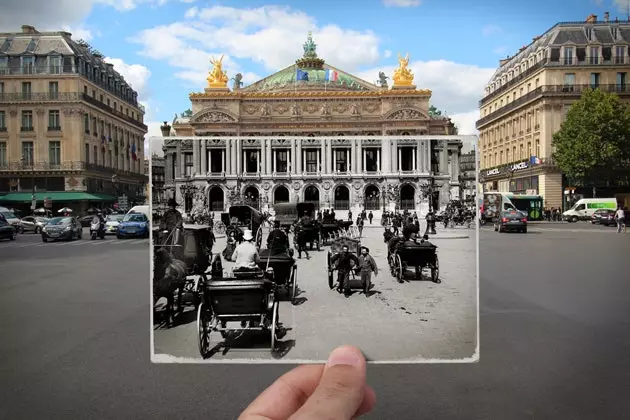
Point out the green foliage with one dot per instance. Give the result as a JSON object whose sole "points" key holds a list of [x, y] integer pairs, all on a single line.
{"points": [[592, 146], [187, 113]]}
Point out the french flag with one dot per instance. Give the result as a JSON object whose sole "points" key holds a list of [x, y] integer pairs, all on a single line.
{"points": [[533, 160], [332, 75], [133, 152]]}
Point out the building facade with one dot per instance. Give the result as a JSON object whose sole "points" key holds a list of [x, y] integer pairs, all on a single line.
{"points": [[157, 179], [468, 175], [71, 127], [323, 141], [528, 97]]}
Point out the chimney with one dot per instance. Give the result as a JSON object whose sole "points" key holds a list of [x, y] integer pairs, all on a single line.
{"points": [[66, 34], [166, 129], [606, 17], [591, 19], [28, 29]]}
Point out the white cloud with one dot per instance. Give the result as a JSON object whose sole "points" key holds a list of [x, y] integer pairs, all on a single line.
{"points": [[387, 53], [269, 35], [127, 5], [490, 30], [402, 3], [43, 14], [456, 88], [192, 12], [80, 32], [465, 122], [135, 74]]}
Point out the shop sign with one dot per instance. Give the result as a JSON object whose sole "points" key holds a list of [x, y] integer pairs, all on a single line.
{"points": [[519, 166], [494, 171]]}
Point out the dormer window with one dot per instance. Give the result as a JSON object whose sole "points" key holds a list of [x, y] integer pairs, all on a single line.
{"points": [[614, 31], [589, 34]]}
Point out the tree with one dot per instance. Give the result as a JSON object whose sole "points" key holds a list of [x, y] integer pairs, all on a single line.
{"points": [[188, 113], [434, 112], [592, 147]]}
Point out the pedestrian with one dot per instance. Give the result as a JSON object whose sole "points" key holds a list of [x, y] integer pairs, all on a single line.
{"points": [[349, 215], [370, 216], [360, 226], [620, 215], [367, 266], [300, 240], [342, 262]]}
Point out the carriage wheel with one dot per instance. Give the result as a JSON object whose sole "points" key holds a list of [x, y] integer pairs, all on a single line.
{"points": [[331, 278], [435, 271], [392, 265], [294, 283], [399, 269], [259, 236], [274, 325], [204, 321]]}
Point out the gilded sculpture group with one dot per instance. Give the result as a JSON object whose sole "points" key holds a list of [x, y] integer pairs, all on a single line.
{"points": [[218, 78]]}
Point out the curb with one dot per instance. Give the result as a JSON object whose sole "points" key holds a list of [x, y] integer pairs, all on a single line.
{"points": [[449, 237]]}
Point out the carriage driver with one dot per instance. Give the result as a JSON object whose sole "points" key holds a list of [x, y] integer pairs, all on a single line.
{"points": [[172, 218], [342, 263], [277, 241]]}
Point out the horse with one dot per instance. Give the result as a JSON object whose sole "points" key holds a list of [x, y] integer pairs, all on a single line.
{"points": [[169, 275]]}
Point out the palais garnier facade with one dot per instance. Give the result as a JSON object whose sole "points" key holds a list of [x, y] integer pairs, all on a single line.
{"points": [[324, 143]]}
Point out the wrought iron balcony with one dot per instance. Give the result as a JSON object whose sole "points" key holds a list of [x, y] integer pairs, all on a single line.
{"points": [[109, 171], [551, 91], [107, 108], [17, 166], [40, 97]]}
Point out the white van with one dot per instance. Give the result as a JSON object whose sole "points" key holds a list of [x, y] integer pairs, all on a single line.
{"points": [[583, 209], [11, 218], [141, 209]]}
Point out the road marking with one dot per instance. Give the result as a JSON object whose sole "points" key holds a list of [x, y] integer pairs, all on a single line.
{"points": [[74, 243]]}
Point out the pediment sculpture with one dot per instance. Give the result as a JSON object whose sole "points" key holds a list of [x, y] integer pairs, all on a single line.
{"points": [[215, 117], [406, 114]]}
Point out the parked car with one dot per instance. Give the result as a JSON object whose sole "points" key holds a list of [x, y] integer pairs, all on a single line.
{"points": [[133, 225], [11, 218], [604, 217], [111, 223], [62, 228], [33, 223], [7, 231], [513, 221], [86, 221]]}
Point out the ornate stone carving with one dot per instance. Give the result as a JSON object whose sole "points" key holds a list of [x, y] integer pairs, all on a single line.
{"points": [[13, 111], [296, 185], [406, 114], [371, 107], [355, 110], [327, 185], [40, 111], [266, 185], [402, 75], [250, 109], [215, 117], [311, 108], [281, 109], [73, 112], [265, 110], [187, 144], [295, 110], [341, 108], [325, 109], [357, 185], [218, 77]]}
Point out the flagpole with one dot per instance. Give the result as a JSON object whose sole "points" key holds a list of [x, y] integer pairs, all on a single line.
{"points": [[296, 77]]}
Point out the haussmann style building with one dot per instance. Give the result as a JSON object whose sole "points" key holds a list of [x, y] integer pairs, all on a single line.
{"points": [[319, 120], [529, 95], [71, 128]]}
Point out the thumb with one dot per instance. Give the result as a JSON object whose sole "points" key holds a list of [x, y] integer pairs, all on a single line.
{"points": [[341, 389]]}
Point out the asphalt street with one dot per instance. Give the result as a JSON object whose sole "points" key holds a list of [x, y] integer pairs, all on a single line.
{"points": [[555, 316], [432, 321]]}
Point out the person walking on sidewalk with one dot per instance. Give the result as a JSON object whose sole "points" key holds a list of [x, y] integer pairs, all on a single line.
{"points": [[620, 215], [360, 223], [367, 265]]}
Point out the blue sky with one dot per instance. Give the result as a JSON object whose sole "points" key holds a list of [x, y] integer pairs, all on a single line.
{"points": [[163, 46]]}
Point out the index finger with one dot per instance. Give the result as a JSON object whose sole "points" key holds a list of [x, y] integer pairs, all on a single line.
{"points": [[286, 395]]}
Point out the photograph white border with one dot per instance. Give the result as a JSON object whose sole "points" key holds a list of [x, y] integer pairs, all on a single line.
{"points": [[473, 140]]}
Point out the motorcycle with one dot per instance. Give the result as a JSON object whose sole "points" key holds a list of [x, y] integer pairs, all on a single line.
{"points": [[97, 230]]}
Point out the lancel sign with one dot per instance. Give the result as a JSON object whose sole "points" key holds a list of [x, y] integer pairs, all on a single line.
{"points": [[519, 166], [494, 171], [507, 168]]}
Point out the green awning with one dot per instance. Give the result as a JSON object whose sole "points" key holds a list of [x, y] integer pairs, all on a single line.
{"points": [[65, 196]]}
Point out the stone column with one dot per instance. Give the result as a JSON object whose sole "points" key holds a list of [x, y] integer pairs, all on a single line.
{"points": [[269, 162], [322, 157], [204, 158], [414, 160], [455, 165], [443, 160], [182, 164], [378, 160], [273, 162], [399, 159], [421, 156], [418, 159], [223, 161], [168, 170], [233, 154], [363, 159], [299, 157], [328, 156], [292, 156], [263, 157], [196, 165], [239, 156], [386, 156], [334, 163], [354, 158], [395, 156]]}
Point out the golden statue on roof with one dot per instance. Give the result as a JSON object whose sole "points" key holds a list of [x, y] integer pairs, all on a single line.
{"points": [[218, 77], [402, 75]]}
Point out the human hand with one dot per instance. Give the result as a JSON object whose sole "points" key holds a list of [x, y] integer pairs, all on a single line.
{"points": [[337, 390]]}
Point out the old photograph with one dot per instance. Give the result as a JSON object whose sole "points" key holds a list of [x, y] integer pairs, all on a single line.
{"points": [[281, 248]]}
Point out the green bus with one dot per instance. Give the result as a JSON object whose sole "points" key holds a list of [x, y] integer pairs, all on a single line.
{"points": [[532, 205]]}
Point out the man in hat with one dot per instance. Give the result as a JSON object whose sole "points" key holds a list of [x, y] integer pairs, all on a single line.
{"points": [[342, 262], [172, 217], [245, 255], [367, 265], [277, 241]]}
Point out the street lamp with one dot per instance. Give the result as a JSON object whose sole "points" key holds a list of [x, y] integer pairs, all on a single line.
{"points": [[187, 189], [24, 163]]}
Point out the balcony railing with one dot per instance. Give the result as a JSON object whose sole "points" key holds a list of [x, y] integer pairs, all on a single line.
{"points": [[564, 61], [550, 91], [107, 108], [41, 166], [109, 170], [40, 97], [64, 70]]}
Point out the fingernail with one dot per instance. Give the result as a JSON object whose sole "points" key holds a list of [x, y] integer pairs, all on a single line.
{"points": [[344, 356]]}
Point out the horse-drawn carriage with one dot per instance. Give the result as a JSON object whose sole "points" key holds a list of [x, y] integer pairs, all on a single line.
{"points": [[180, 264], [420, 255], [286, 214], [331, 229], [312, 232], [281, 269], [354, 248], [239, 218], [236, 306]]}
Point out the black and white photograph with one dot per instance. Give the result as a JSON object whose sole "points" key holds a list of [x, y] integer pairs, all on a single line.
{"points": [[280, 248]]}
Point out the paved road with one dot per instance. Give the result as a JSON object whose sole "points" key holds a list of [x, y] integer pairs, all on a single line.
{"points": [[433, 321], [555, 311]]}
